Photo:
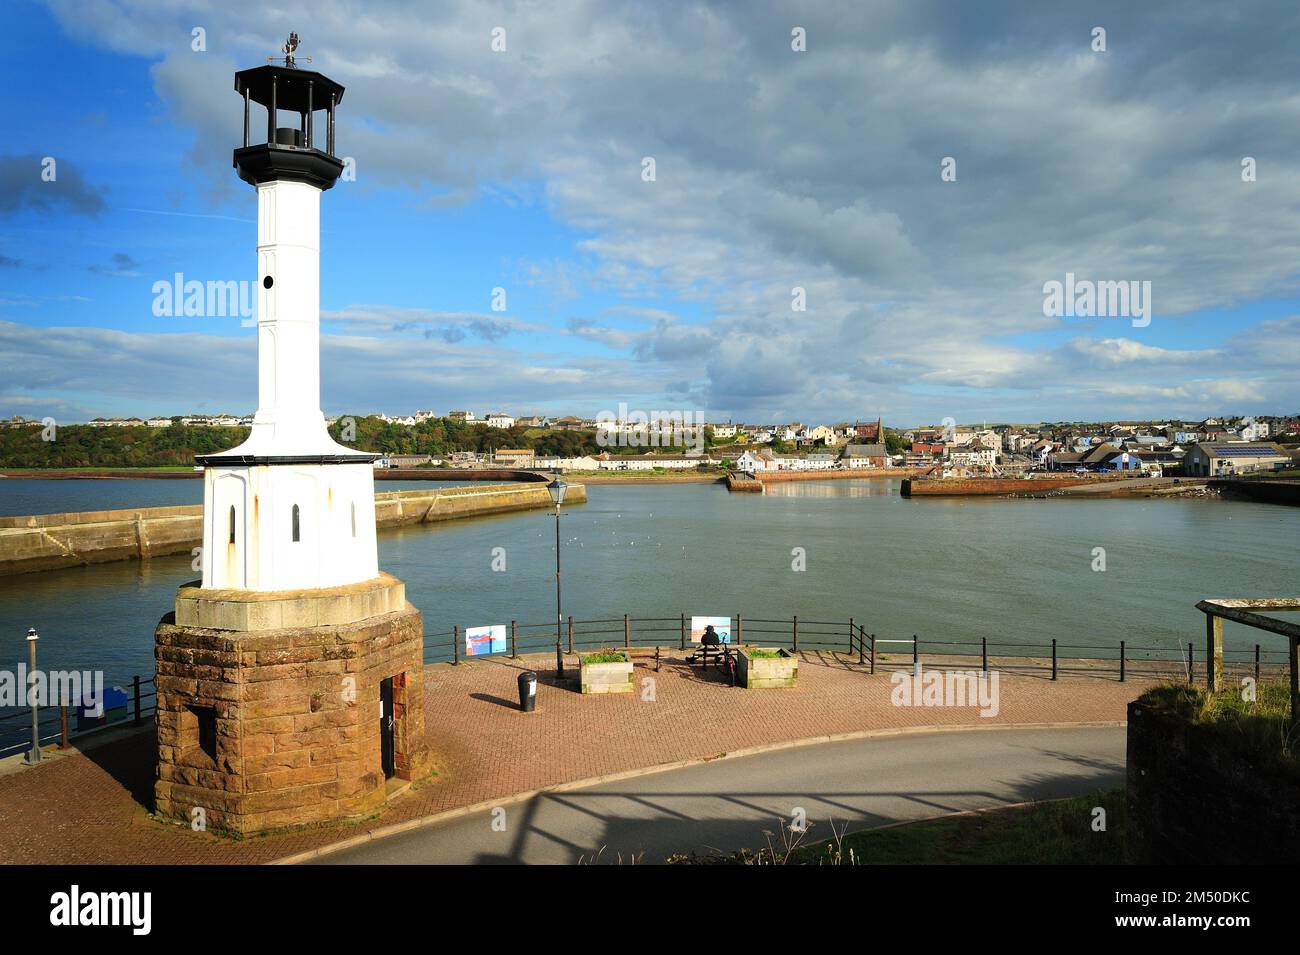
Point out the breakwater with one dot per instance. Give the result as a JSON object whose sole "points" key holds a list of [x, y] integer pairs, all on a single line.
{"points": [[381, 474], [739, 483], [50, 541], [960, 487], [1264, 490]]}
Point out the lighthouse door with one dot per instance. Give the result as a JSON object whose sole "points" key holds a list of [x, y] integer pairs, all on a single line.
{"points": [[386, 728]]}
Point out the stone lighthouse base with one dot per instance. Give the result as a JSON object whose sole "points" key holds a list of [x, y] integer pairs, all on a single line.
{"points": [[290, 708]]}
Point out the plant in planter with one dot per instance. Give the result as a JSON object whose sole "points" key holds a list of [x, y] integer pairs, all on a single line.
{"points": [[766, 667], [606, 671]]}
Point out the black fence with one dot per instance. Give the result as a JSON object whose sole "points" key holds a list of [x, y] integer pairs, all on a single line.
{"points": [[57, 723], [846, 641], [850, 643]]}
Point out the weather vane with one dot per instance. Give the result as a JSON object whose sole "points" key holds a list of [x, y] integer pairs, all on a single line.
{"points": [[288, 48]]}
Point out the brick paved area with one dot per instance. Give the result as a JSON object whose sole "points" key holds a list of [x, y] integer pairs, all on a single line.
{"points": [[92, 807]]}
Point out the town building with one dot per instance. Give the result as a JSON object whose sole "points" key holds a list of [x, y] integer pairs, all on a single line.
{"points": [[864, 456], [514, 457], [1226, 460]]}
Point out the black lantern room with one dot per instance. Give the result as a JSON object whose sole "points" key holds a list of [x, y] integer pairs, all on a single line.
{"points": [[289, 152]]}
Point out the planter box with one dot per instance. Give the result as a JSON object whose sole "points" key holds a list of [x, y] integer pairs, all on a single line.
{"points": [[606, 677], [766, 672]]}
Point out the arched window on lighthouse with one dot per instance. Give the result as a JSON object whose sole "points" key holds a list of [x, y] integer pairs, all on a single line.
{"points": [[354, 518], [296, 535], [232, 523]]}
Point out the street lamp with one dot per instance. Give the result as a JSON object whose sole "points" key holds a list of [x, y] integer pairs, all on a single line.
{"points": [[556, 489], [35, 755]]}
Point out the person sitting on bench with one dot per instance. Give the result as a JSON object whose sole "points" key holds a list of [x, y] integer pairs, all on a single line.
{"points": [[709, 641]]}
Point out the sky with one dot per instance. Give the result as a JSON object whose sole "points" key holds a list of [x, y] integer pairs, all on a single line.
{"points": [[920, 170]]}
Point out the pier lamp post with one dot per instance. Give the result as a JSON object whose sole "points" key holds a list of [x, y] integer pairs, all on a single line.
{"points": [[34, 756], [556, 489]]}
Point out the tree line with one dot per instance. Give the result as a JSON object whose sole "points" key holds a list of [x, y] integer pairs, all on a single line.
{"points": [[83, 446]]}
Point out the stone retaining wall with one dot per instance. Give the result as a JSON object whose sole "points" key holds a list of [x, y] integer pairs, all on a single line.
{"points": [[836, 474], [50, 541], [943, 487], [1193, 799]]}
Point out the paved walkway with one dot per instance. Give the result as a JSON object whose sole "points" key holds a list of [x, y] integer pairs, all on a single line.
{"points": [[91, 807], [728, 804]]}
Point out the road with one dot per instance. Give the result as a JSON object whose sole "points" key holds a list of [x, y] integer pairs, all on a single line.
{"points": [[727, 804]]}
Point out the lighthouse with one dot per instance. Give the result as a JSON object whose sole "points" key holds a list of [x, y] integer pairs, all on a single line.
{"points": [[290, 677], [289, 508]]}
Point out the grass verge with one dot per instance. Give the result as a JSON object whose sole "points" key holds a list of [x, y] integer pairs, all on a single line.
{"points": [[1046, 833]]}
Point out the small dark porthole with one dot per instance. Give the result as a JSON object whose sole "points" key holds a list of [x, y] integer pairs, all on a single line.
{"points": [[268, 282], [232, 523], [296, 535]]}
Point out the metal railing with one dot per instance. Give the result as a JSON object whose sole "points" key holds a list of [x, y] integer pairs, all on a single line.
{"points": [[53, 721], [852, 644], [844, 638]]}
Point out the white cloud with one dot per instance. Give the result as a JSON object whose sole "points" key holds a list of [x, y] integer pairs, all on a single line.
{"points": [[821, 170]]}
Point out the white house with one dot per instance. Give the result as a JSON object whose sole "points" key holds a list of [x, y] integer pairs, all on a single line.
{"points": [[974, 456], [583, 463], [1252, 430], [499, 419]]}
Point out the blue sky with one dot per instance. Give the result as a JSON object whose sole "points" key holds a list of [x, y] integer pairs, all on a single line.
{"points": [[775, 168]]}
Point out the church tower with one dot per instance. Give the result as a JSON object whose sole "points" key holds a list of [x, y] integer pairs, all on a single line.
{"points": [[290, 677]]}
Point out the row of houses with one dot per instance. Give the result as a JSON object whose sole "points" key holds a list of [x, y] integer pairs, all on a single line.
{"points": [[196, 421], [527, 459], [500, 419], [1151, 447], [755, 460], [826, 435], [852, 457], [1202, 459]]}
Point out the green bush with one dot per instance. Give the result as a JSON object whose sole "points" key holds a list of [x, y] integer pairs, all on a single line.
{"points": [[1260, 728], [606, 656]]}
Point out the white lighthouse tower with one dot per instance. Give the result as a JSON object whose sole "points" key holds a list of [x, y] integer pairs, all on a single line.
{"points": [[290, 678], [289, 508]]}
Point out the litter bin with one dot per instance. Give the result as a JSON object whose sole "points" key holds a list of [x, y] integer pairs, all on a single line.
{"points": [[528, 691]]}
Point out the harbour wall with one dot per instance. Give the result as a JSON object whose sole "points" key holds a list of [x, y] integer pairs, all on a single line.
{"points": [[835, 474], [958, 487], [1265, 491], [51, 541]]}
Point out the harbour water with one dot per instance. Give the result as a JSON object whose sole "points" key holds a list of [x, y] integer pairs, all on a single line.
{"points": [[1015, 571]]}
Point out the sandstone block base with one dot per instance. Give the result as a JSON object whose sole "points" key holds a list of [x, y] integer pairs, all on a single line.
{"points": [[760, 673], [276, 728], [606, 677]]}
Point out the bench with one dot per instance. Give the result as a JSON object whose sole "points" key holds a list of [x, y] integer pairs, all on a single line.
{"points": [[644, 653]]}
